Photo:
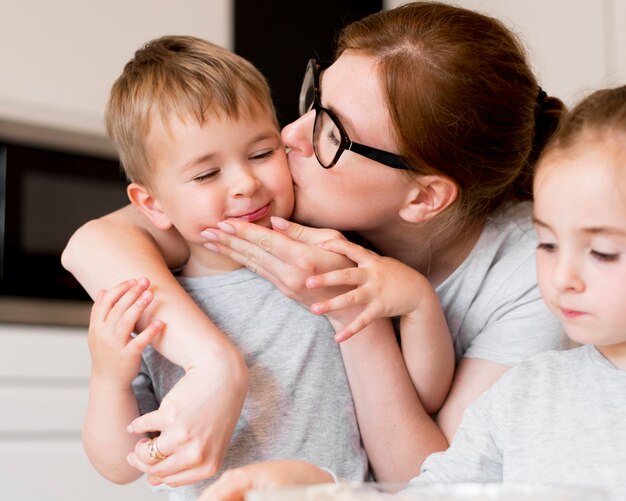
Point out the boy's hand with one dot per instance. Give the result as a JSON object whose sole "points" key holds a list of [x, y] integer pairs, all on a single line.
{"points": [[385, 287], [115, 354]]}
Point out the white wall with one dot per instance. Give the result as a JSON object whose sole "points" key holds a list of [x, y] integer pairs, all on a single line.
{"points": [[58, 59], [575, 46]]}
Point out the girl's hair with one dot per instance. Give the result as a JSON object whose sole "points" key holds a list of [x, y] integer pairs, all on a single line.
{"points": [[600, 116], [180, 76], [462, 98]]}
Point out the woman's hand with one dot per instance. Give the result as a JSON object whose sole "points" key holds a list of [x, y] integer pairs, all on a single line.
{"points": [[233, 484], [385, 287], [286, 256], [192, 438]]}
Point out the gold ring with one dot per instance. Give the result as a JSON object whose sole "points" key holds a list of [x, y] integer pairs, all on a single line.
{"points": [[154, 451]]}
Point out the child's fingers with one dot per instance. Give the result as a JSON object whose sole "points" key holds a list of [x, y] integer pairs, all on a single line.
{"points": [[145, 337], [347, 276], [352, 251], [350, 299], [365, 318], [128, 300], [125, 323], [107, 298]]}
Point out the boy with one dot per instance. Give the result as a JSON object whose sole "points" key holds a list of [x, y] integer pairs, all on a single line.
{"points": [[195, 129]]}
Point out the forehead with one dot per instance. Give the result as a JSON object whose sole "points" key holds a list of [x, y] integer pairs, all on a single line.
{"points": [[351, 88], [588, 180]]}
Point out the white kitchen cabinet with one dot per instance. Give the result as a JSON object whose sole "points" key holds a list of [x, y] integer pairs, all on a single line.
{"points": [[43, 396]]}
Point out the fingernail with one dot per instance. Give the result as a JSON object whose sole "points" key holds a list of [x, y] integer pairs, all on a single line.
{"points": [[316, 308], [143, 282], [226, 228], [211, 247], [130, 428], [310, 282], [145, 297], [279, 223], [209, 235]]}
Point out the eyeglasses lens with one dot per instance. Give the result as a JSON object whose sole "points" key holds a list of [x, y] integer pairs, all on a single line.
{"points": [[307, 91], [326, 139]]}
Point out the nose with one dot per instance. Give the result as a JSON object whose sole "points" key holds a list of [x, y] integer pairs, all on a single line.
{"points": [[297, 135], [566, 275], [243, 181]]}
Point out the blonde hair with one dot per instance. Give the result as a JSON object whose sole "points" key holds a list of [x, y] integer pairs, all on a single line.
{"points": [[463, 100], [180, 76]]}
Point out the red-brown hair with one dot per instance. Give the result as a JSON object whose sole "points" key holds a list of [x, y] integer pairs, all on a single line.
{"points": [[463, 100]]}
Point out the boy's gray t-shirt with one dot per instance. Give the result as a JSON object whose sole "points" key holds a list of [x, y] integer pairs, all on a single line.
{"points": [[558, 418], [491, 301], [299, 404]]}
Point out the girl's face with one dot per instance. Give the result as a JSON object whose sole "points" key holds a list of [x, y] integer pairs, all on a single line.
{"points": [[356, 194], [580, 218]]}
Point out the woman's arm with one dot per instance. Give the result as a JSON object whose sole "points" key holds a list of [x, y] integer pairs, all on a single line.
{"points": [[121, 245], [472, 378]]}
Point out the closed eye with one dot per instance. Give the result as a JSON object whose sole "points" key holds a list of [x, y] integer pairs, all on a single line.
{"points": [[602, 256], [205, 176], [546, 247], [263, 154]]}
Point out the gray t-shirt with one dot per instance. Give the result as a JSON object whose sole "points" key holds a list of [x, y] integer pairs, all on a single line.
{"points": [[298, 405], [492, 303], [558, 418]]}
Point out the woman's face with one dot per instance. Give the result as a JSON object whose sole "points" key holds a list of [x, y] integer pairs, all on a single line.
{"points": [[356, 194]]}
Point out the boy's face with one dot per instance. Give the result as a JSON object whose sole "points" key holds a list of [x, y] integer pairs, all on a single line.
{"points": [[225, 169], [580, 218]]}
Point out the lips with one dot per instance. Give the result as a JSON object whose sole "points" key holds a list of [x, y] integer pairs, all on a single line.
{"points": [[253, 216], [567, 313]]}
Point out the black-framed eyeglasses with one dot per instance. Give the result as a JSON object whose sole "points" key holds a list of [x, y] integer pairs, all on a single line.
{"points": [[330, 139]]}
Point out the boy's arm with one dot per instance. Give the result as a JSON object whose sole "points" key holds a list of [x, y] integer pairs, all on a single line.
{"points": [[106, 441], [115, 361], [122, 244]]}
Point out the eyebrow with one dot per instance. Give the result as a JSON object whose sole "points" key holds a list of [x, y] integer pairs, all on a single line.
{"points": [[594, 230], [208, 156]]}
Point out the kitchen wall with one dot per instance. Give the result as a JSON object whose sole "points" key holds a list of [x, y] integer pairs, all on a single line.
{"points": [[57, 62], [575, 46]]}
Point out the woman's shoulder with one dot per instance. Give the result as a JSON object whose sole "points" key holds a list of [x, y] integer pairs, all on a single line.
{"points": [[506, 245]]}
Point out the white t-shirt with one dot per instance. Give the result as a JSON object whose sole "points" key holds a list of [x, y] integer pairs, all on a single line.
{"points": [[492, 303]]}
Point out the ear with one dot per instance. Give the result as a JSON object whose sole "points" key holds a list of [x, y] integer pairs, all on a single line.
{"points": [[141, 197], [430, 196]]}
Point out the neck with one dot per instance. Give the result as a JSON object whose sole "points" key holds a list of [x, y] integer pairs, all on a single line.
{"points": [[203, 262], [435, 258]]}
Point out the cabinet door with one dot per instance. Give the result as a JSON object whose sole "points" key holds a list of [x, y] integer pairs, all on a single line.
{"points": [[43, 393]]}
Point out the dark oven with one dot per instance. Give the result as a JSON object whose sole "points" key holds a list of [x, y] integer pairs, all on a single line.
{"points": [[45, 195]]}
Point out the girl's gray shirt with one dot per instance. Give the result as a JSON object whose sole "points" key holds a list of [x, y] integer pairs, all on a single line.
{"points": [[558, 418], [298, 405]]}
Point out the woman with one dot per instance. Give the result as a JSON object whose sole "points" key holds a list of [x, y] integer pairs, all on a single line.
{"points": [[450, 93]]}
